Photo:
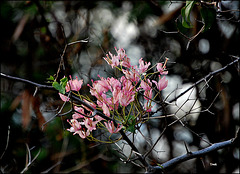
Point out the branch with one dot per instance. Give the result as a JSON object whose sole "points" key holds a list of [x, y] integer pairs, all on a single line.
{"points": [[95, 112], [26, 81], [173, 162], [206, 77]]}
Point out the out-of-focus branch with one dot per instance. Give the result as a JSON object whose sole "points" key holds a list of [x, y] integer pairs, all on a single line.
{"points": [[190, 155], [206, 77]]}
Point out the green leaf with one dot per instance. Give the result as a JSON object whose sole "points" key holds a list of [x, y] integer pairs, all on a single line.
{"points": [[131, 128], [186, 11], [208, 16], [51, 78], [63, 82], [131, 123], [58, 87]]}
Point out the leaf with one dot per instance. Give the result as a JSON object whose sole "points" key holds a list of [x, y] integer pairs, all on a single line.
{"points": [[186, 11], [63, 82], [131, 123], [58, 87], [36, 107], [180, 27], [26, 103], [208, 16], [131, 128], [51, 78]]}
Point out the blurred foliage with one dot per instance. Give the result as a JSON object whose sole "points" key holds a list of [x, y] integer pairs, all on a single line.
{"points": [[33, 36]]}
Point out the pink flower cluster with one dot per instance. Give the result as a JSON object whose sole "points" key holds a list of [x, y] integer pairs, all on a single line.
{"points": [[113, 94]]}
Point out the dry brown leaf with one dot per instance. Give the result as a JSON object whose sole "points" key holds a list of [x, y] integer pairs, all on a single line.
{"points": [[26, 106]]}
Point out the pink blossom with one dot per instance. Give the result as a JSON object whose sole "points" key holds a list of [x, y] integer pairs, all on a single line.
{"points": [[115, 97], [74, 85], [131, 75], [146, 85], [103, 84], [161, 68], [114, 84], [97, 88], [105, 110], [120, 53], [143, 67], [148, 94], [162, 83], [75, 125], [115, 60], [148, 107], [63, 97], [126, 97], [111, 128], [127, 94], [77, 114], [98, 118], [126, 62], [90, 103], [90, 124], [83, 133]]}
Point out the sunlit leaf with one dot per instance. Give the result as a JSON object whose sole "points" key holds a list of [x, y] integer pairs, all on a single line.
{"points": [[58, 87], [63, 82], [51, 78], [186, 11]]}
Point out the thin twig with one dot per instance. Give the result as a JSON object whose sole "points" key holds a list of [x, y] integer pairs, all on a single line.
{"points": [[205, 78], [6, 142]]}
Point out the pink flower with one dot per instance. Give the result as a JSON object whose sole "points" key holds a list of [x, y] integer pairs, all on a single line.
{"points": [[127, 94], [162, 83], [90, 103], [115, 60], [143, 67], [83, 133], [114, 84], [131, 75], [120, 53], [126, 62], [74, 85], [98, 118], [90, 124], [111, 128], [161, 68], [105, 110], [75, 125], [126, 97], [148, 94], [146, 85], [148, 107], [77, 114], [115, 93], [63, 97]]}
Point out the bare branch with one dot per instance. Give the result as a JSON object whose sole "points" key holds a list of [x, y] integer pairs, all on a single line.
{"points": [[206, 77], [173, 162], [26, 81]]}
